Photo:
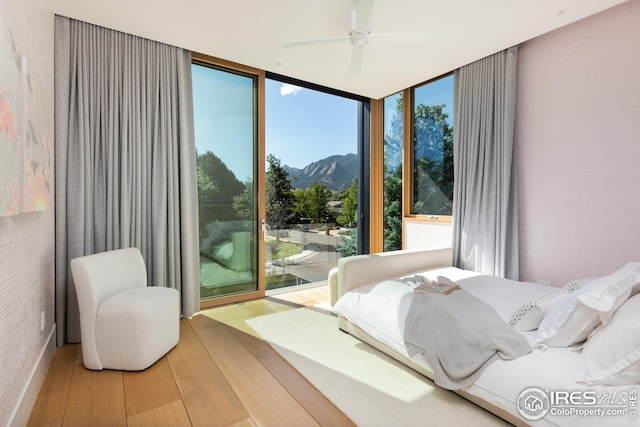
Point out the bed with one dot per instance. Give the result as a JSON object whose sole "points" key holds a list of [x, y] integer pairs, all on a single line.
{"points": [[372, 296]]}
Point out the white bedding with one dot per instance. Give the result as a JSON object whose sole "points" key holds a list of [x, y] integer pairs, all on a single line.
{"points": [[380, 309]]}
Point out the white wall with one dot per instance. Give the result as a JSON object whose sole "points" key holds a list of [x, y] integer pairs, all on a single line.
{"points": [[578, 116], [421, 234], [27, 240]]}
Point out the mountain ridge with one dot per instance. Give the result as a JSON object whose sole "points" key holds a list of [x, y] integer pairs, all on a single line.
{"points": [[336, 172]]}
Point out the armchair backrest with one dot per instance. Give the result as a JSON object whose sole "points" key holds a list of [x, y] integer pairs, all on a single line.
{"points": [[98, 277]]}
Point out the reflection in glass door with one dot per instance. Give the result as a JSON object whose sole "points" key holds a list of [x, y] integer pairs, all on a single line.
{"points": [[226, 140]]}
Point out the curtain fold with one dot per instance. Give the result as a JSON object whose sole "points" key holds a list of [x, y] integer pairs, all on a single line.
{"points": [[485, 208], [125, 160]]}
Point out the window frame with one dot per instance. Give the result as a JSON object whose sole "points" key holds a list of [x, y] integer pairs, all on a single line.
{"points": [[408, 158], [377, 165], [233, 67]]}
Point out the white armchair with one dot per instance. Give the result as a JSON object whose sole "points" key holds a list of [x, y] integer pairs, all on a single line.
{"points": [[124, 324]]}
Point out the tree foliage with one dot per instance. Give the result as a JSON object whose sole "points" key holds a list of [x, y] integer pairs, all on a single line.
{"points": [[243, 203], [312, 202], [433, 161], [217, 188], [349, 200], [349, 245], [216, 183], [280, 199], [319, 196], [432, 168], [393, 209]]}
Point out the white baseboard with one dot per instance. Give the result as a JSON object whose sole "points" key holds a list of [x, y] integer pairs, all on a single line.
{"points": [[30, 393]]}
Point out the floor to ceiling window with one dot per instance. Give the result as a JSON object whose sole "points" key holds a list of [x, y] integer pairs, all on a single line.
{"points": [[278, 168], [225, 107], [311, 182]]}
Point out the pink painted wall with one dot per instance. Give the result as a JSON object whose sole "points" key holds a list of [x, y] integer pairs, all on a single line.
{"points": [[578, 136]]}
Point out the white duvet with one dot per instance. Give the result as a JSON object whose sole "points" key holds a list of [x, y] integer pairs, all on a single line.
{"points": [[380, 309]]}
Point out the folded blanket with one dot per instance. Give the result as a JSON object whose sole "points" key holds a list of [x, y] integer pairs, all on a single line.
{"points": [[459, 335]]}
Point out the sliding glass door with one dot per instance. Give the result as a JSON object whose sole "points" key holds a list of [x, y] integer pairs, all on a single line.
{"points": [[312, 176], [226, 126]]}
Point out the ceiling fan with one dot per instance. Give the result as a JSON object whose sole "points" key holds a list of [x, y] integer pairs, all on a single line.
{"points": [[359, 35]]}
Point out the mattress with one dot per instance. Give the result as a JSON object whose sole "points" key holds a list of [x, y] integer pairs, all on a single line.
{"points": [[379, 310]]}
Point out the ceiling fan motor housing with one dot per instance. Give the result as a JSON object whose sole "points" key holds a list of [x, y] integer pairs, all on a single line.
{"points": [[358, 38]]}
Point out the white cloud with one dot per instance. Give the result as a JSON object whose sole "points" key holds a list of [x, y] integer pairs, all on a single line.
{"points": [[289, 89]]}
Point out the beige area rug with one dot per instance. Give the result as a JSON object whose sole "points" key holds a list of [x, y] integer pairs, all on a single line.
{"points": [[369, 387]]}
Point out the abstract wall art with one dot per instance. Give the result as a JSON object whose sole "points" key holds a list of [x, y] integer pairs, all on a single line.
{"points": [[26, 141]]}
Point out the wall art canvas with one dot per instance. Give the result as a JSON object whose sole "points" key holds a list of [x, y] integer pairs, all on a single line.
{"points": [[10, 112], [26, 137]]}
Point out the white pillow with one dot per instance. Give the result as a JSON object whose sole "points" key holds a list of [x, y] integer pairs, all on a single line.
{"points": [[529, 315], [570, 320], [612, 354], [606, 299]]}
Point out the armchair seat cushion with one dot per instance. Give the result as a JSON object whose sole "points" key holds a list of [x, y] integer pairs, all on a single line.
{"points": [[137, 327]]}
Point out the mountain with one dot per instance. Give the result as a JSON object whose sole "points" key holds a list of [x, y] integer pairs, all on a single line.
{"points": [[336, 172]]}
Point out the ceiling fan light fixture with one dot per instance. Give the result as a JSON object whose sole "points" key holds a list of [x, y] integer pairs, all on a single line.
{"points": [[359, 39]]}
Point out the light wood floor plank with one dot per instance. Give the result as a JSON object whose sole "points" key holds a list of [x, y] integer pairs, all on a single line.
{"points": [[172, 414], [209, 399], [310, 296], [261, 393], [96, 398], [50, 405], [48, 410], [188, 387], [152, 388], [245, 423], [321, 409], [236, 314]]}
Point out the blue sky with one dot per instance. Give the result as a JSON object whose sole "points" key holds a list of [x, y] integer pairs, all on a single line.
{"points": [[435, 93], [223, 110], [302, 125]]}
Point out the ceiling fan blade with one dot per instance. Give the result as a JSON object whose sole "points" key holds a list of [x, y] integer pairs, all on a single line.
{"points": [[363, 15], [299, 43], [356, 61]]}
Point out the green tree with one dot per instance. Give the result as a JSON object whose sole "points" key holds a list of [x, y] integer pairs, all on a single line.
{"points": [[217, 187], [348, 246], [313, 202], [302, 206], [243, 204], [220, 185], [207, 189], [319, 196], [349, 200], [280, 199], [393, 209], [393, 180], [433, 161], [433, 168]]}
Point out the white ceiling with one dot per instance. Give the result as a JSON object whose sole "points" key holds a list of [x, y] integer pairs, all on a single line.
{"points": [[252, 32]]}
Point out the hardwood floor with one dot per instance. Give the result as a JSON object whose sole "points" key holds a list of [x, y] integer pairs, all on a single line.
{"points": [[219, 374]]}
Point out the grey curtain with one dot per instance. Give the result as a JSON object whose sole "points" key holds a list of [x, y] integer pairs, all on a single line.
{"points": [[485, 206], [125, 160]]}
